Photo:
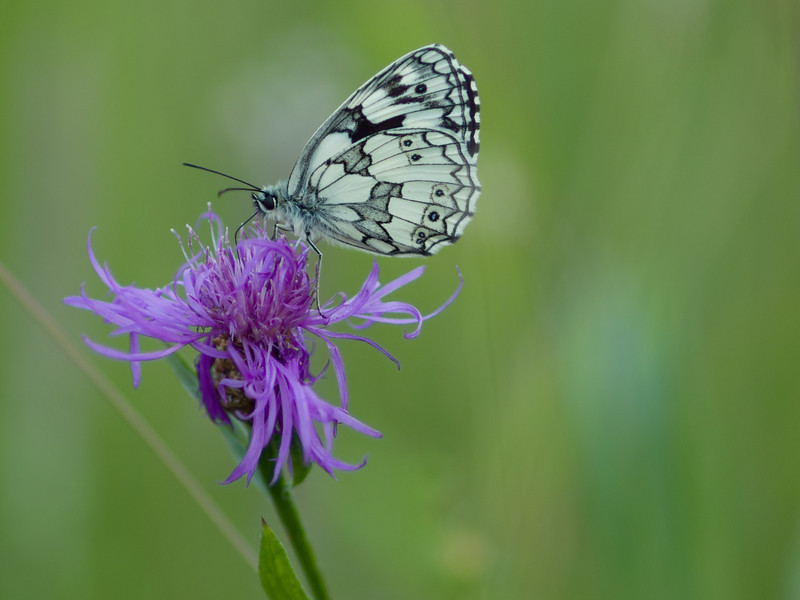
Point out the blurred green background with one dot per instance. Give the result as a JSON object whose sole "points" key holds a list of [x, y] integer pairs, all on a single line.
{"points": [[610, 408]]}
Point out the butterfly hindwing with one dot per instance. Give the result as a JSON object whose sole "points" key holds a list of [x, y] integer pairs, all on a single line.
{"points": [[400, 191], [425, 89]]}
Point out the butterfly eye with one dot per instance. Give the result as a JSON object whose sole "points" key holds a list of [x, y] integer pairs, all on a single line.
{"points": [[265, 202]]}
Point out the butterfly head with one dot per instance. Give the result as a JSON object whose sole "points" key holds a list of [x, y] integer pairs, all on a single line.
{"points": [[266, 199]]}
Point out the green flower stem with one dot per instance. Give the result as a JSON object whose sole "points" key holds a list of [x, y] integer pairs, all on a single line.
{"points": [[287, 512]]}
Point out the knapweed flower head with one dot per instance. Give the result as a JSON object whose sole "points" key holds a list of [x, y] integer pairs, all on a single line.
{"points": [[249, 311]]}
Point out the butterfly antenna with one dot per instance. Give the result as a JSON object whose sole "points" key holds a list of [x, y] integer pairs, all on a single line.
{"points": [[234, 189], [251, 187]]}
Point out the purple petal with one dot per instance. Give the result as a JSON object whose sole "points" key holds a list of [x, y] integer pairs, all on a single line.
{"points": [[250, 306]]}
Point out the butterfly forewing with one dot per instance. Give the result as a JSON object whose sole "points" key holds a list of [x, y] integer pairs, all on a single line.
{"points": [[426, 89]]}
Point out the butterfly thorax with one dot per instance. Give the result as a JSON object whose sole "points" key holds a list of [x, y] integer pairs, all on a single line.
{"points": [[273, 201]]}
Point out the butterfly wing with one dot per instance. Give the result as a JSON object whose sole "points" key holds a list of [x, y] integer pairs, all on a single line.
{"points": [[399, 191], [425, 89]]}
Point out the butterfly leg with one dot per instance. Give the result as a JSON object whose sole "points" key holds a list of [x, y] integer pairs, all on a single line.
{"points": [[319, 268]]}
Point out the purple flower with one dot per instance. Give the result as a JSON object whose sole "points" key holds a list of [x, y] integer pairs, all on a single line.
{"points": [[249, 311]]}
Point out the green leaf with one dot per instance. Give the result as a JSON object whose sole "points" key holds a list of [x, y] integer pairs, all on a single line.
{"points": [[276, 573], [300, 469], [237, 434], [186, 374]]}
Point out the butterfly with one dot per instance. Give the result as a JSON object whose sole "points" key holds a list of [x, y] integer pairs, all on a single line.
{"points": [[393, 171]]}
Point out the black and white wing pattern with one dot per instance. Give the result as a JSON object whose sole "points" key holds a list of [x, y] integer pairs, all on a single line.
{"points": [[401, 191], [393, 170]]}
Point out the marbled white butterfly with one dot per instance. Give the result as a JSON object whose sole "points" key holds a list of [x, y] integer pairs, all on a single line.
{"points": [[393, 170]]}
